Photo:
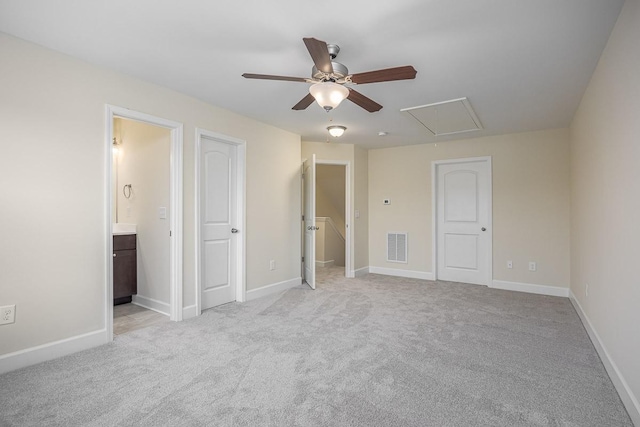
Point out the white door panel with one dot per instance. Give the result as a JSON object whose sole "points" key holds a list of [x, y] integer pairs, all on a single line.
{"points": [[217, 169], [215, 273], [218, 204], [461, 251], [463, 221], [461, 196], [309, 213]]}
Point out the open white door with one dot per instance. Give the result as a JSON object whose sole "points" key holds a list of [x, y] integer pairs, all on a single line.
{"points": [[309, 177]]}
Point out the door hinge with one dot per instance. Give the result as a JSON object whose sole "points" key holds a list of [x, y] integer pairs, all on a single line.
{"points": [[302, 259], [303, 217], [169, 233]]}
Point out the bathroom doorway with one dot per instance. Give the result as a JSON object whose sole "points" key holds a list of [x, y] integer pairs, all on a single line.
{"points": [[145, 220]]}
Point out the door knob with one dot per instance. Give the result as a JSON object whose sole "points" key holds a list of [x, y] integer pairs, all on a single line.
{"points": [[234, 230], [483, 229], [114, 255]]}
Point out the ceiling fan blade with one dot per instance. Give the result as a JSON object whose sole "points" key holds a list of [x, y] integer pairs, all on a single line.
{"points": [[389, 74], [367, 103], [268, 77], [320, 54], [304, 102]]}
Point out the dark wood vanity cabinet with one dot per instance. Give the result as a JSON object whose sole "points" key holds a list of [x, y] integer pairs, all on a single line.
{"points": [[125, 269]]}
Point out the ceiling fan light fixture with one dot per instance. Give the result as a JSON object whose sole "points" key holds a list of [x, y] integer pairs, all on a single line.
{"points": [[336, 131], [329, 94]]}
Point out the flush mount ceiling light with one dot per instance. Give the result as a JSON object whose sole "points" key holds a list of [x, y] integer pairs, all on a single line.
{"points": [[336, 130], [329, 94]]}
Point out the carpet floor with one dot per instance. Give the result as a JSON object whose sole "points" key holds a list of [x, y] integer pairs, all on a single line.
{"points": [[370, 351]]}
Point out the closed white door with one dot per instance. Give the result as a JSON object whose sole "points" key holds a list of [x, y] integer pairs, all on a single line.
{"points": [[218, 204], [309, 192], [463, 221]]}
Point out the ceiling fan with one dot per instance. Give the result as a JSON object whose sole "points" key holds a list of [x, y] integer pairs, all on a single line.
{"points": [[329, 79]]}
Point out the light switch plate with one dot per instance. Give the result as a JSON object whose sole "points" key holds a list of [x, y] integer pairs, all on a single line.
{"points": [[162, 213]]}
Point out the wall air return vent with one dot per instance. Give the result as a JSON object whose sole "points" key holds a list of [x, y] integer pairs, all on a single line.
{"points": [[397, 247], [447, 117]]}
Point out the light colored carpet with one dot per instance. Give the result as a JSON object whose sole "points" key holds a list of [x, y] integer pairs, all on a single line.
{"points": [[373, 351]]}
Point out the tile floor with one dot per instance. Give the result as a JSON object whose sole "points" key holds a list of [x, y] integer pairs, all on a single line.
{"points": [[130, 317]]}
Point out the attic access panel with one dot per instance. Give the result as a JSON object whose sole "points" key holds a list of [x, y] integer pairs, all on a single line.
{"points": [[446, 117]]}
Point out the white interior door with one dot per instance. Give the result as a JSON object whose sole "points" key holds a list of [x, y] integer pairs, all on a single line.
{"points": [[463, 221], [218, 204], [309, 195]]}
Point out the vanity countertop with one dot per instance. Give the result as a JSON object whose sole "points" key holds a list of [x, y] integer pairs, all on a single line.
{"points": [[119, 229]]}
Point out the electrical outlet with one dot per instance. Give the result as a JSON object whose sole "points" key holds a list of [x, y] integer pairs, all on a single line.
{"points": [[386, 201], [533, 266], [509, 264], [7, 314], [272, 264], [586, 290]]}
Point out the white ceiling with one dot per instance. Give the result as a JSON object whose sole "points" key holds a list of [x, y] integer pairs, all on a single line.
{"points": [[523, 64]]}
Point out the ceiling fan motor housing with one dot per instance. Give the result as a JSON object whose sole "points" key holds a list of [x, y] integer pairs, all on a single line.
{"points": [[340, 71]]}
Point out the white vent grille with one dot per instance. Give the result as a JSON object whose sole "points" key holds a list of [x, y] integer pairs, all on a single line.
{"points": [[397, 247]]}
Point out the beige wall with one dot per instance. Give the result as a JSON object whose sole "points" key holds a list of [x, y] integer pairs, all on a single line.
{"points": [[143, 161], [327, 151], [361, 204], [330, 194], [530, 202], [330, 245], [53, 191], [605, 200]]}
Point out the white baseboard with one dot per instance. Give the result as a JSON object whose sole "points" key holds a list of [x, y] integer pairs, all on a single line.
{"points": [[360, 272], [273, 288], [53, 350], [189, 312], [629, 400], [322, 264], [411, 274], [151, 304], [530, 288]]}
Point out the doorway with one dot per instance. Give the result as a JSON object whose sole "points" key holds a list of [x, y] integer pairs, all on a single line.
{"points": [[164, 231], [462, 220], [327, 234], [141, 159], [220, 220], [331, 220]]}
